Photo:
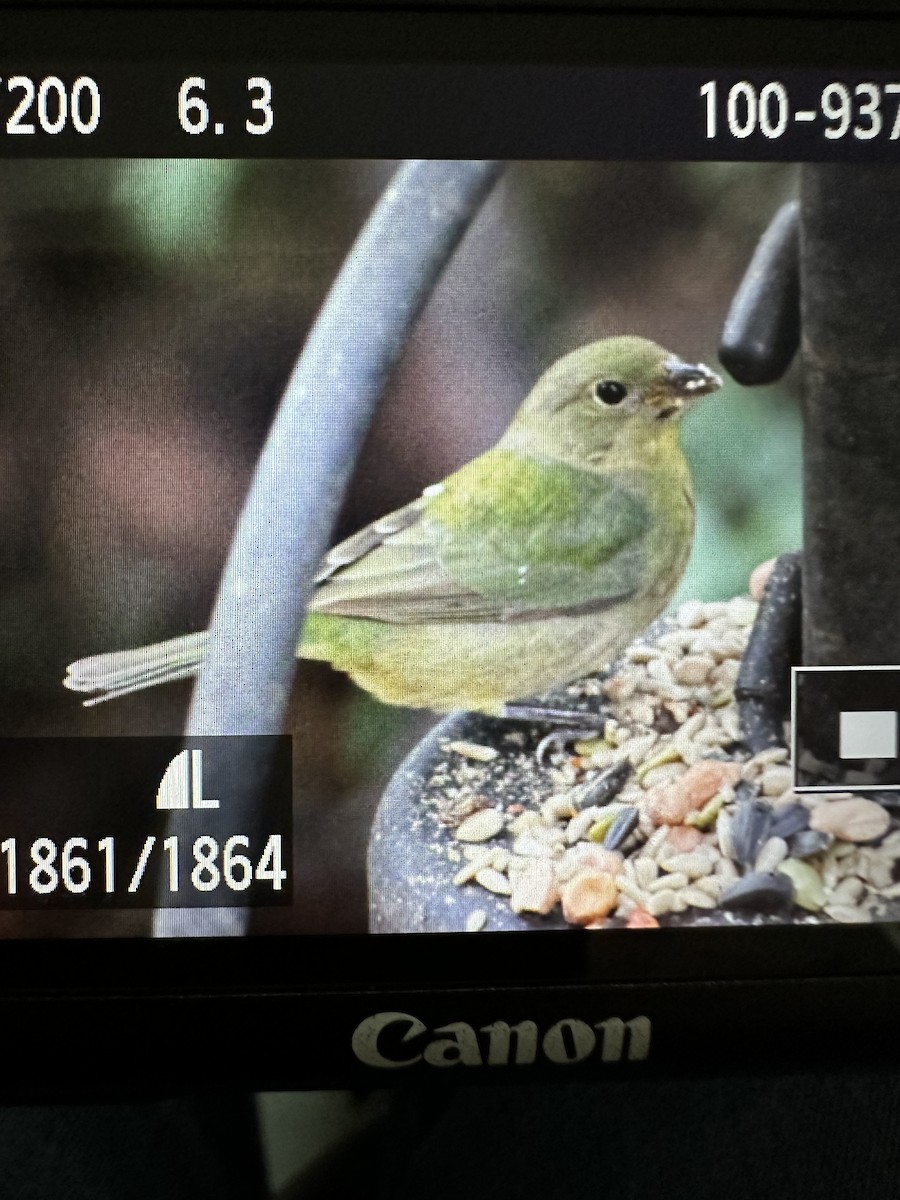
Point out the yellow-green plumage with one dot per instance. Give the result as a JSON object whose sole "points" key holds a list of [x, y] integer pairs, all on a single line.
{"points": [[534, 563]]}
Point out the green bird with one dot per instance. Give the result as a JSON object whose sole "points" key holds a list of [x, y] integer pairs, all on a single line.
{"points": [[534, 564]]}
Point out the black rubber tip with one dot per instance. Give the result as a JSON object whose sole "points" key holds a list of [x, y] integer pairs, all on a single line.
{"points": [[762, 329]]}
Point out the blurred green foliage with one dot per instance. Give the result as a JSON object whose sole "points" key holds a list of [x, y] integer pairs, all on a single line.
{"points": [[744, 447], [176, 208]]}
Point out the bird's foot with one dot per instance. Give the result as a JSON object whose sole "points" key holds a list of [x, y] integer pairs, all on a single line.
{"points": [[589, 725], [562, 741]]}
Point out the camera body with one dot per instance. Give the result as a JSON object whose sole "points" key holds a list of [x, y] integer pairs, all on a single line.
{"points": [[275, 275]]}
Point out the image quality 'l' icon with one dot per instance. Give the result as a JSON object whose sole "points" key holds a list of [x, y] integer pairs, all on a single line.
{"points": [[182, 783]]}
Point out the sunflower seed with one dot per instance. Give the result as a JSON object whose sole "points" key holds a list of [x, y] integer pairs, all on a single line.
{"points": [[724, 824], [759, 893], [742, 611], [696, 897], [494, 881], [808, 842], [656, 842], [474, 751], [691, 614], [577, 828], [480, 826], [693, 670], [808, 890], [659, 671], [639, 653], [674, 881], [630, 889], [558, 808], [693, 865], [530, 847], [726, 871], [849, 891], [471, 869], [621, 828], [749, 829], [772, 852], [788, 820], [777, 780], [609, 784], [847, 915], [645, 870], [660, 903], [711, 884]]}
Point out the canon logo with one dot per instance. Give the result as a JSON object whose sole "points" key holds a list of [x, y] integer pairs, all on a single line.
{"points": [[396, 1039]]}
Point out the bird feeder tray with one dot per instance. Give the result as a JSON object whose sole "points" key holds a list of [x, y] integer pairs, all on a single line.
{"points": [[471, 763]]}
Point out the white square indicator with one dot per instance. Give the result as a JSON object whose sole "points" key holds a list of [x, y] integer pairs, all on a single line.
{"points": [[868, 734]]}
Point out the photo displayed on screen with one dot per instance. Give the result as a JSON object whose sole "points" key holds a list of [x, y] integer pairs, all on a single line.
{"points": [[560, 531]]}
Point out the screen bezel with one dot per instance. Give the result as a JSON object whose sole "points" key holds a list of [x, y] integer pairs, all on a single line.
{"points": [[367, 964]]}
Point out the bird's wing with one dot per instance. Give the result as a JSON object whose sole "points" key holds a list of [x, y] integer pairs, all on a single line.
{"points": [[352, 549], [506, 538], [391, 571]]}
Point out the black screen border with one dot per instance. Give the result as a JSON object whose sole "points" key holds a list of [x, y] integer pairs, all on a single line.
{"points": [[68, 977]]}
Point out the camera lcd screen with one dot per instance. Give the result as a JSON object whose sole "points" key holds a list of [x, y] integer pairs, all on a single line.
{"points": [[582, 485]]}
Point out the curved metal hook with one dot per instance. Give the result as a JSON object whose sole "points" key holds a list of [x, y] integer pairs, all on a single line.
{"points": [[286, 524]]}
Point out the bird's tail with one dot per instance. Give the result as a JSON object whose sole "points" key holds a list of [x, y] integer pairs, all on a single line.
{"points": [[124, 671]]}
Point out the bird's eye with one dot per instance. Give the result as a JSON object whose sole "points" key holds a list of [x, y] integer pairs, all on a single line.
{"points": [[610, 391]]}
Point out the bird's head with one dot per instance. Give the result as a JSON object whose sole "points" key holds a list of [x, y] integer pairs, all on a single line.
{"points": [[615, 395]]}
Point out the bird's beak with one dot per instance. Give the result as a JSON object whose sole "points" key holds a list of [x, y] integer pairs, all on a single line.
{"points": [[691, 379], [685, 382]]}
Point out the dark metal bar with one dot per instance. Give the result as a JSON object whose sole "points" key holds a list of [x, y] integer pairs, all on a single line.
{"points": [[850, 286], [763, 689], [286, 525]]}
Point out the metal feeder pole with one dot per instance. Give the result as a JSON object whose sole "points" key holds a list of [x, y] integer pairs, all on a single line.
{"points": [[850, 296], [286, 525]]}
